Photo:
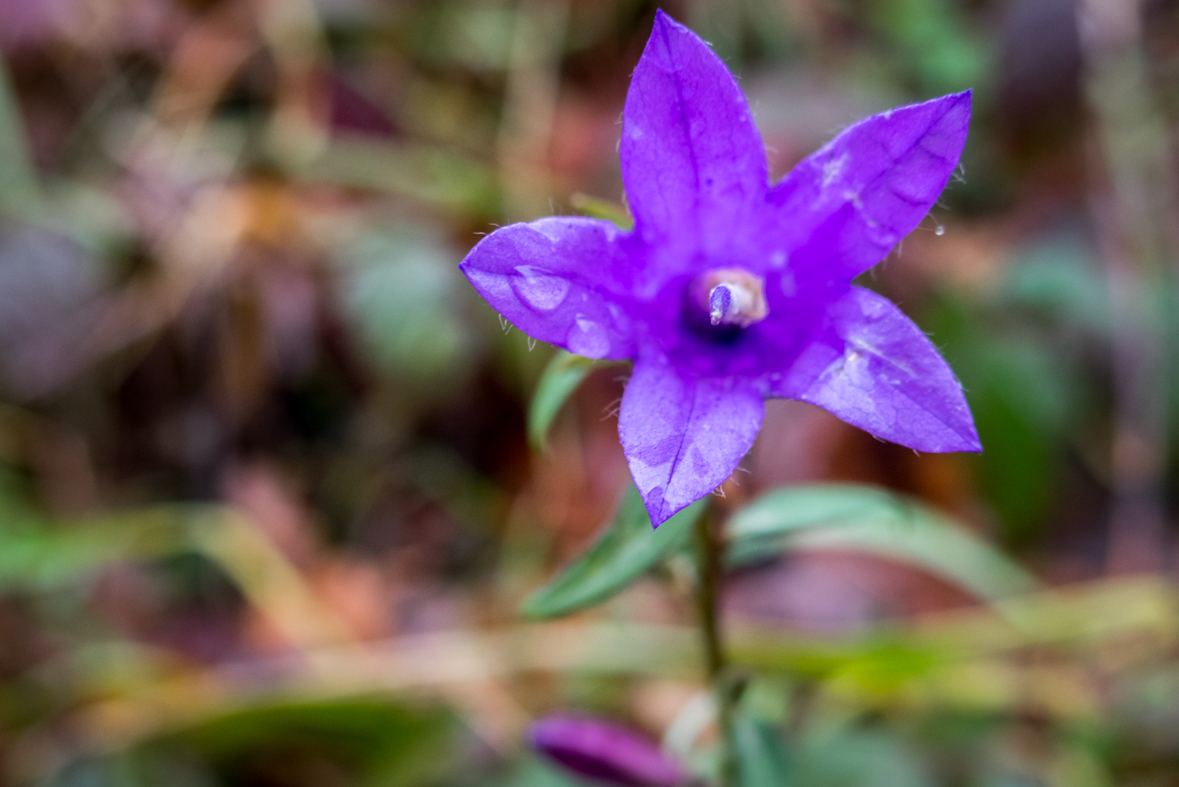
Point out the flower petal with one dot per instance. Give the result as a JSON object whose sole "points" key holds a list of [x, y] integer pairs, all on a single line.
{"points": [[684, 435], [554, 280], [872, 367], [605, 752], [844, 207], [692, 159]]}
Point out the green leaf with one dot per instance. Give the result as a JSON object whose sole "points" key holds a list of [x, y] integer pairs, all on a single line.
{"points": [[624, 550], [869, 519], [602, 209], [558, 382], [39, 557], [756, 531], [761, 753], [19, 194]]}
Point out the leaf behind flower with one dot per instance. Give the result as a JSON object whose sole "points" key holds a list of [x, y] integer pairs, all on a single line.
{"points": [[869, 519], [557, 383], [623, 551]]}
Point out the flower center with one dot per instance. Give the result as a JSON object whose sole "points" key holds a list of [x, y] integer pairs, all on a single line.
{"points": [[730, 296]]}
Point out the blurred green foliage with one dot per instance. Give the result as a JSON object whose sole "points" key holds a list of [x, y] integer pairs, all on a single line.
{"points": [[403, 289]]}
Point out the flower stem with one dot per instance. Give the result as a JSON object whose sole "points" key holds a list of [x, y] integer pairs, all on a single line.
{"points": [[709, 555]]}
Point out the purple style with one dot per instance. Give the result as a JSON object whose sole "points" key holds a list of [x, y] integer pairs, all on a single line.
{"points": [[729, 290], [604, 752]]}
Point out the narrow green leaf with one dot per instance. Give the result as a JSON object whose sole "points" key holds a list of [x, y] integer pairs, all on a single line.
{"points": [[869, 519], [40, 557], [18, 181], [783, 511], [761, 753], [597, 208], [558, 382], [625, 549]]}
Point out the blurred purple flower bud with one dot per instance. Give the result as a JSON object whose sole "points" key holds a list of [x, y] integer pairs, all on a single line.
{"points": [[605, 751]]}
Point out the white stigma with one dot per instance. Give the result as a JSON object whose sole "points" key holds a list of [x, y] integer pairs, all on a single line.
{"points": [[731, 296]]}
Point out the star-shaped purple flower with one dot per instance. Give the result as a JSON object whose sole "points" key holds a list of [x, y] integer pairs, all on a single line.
{"points": [[729, 290]]}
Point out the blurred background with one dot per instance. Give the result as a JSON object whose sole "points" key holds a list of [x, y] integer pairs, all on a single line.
{"points": [[267, 504]]}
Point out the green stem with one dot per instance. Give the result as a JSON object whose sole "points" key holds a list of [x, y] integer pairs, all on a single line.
{"points": [[710, 556]]}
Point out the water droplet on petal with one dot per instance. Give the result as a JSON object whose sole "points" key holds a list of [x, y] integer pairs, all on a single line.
{"points": [[539, 290], [587, 338]]}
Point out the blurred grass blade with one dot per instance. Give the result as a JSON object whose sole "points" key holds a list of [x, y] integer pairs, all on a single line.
{"points": [[433, 175], [37, 557], [18, 180], [868, 519], [761, 754], [558, 382], [624, 550], [266, 578]]}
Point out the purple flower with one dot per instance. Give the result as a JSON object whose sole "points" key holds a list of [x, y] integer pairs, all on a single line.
{"points": [[604, 751], [730, 290]]}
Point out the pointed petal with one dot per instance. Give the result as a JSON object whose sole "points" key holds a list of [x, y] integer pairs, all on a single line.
{"points": [[692, 159], [872, 367], [843, 208], [684, 436], [554, 279]]}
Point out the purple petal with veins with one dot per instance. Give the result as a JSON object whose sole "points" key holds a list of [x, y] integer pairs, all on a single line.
{"points": [[729, 290]]}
